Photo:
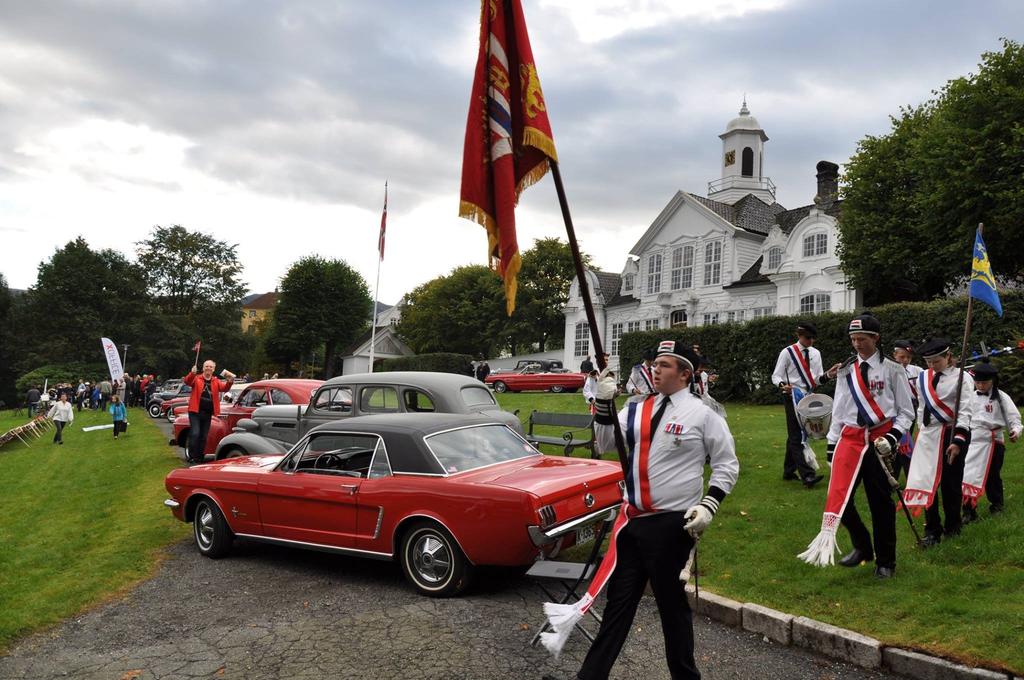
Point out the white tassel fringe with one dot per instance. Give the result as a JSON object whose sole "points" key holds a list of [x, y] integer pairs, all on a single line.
{"points": [[562, 618], [821, 551]]}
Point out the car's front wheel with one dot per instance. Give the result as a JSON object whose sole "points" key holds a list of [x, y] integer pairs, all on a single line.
{"points": [[232, 452], [433, 561], [212, 533], [154, 410], [500, 386], [557, 389]]}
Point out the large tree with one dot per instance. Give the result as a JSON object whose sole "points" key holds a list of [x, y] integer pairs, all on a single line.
{"points": [[915, 195], [544, 280], [7, 345], [321, 304], [80, 296], [463, 312]]}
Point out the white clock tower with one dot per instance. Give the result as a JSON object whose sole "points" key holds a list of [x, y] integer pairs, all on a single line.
{"points": [[742, 162]]}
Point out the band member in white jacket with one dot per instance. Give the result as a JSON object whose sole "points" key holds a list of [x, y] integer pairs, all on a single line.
{"points": [[937, 468], [994, 411]]}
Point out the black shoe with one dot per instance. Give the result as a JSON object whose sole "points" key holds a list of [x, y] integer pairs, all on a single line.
{"points": [[970, 514], [885, 572], [930, 540], [811, 480], [790, 476], [855, 558]]}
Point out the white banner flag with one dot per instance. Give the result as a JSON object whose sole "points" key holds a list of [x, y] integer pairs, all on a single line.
{"points": [[113, 359]]}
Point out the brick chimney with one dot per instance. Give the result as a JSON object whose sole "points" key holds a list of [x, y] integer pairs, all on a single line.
{"points": [[828, 183]]}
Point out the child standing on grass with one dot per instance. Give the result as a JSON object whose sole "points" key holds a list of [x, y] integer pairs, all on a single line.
{"points": [[62, 414], [117, 410]]}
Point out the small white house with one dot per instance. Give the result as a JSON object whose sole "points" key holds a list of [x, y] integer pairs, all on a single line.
{"points": [[732, 256]]}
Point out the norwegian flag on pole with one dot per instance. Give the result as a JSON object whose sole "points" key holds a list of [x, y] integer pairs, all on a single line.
{"points": [[383, 223], [195, 348], [508, 135]]}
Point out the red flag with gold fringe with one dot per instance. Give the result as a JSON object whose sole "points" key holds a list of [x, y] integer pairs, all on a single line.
{"points": [[508, 135]]}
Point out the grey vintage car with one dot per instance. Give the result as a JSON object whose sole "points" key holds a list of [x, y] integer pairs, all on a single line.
{"points": [[274, 429]]}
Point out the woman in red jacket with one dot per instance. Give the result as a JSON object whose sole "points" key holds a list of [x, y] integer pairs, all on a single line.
{"points": [[203, 404]]}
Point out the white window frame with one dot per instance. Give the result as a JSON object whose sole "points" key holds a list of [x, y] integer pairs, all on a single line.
{"points": [[684, 321], [710, 318], [632, 326], [774, 253], [682, 268], [653, 273], [627, 283], [616, 334], [582, 341], [816, 244], [815, 303], [651, 324], [713, 251]]}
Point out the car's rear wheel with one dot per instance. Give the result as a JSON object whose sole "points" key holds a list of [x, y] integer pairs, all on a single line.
{"points": [[232, 452], [557, 389], [500, 386], [212, 533], [154, 410], [433, 561]]}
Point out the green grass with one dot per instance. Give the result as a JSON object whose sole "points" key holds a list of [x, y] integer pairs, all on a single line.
{"points": [[81, 521], [963, 599]]}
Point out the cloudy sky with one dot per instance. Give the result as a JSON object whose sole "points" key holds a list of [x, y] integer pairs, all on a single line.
{"points": [[274, 125]]}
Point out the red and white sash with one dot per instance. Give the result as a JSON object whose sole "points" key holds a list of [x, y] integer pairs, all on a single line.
{"points": [[977, 463], [846, 461], [926, 465], [645, 373], [867, 407], [803, 367]]}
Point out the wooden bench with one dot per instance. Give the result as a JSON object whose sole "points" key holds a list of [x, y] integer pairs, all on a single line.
{"points": [[580, 434]]}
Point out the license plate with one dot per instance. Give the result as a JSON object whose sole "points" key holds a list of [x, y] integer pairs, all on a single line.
{"points": [[585, 535]]}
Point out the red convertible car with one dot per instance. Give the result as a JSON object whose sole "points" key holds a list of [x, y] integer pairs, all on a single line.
{"points": [[440, 493], [253, 395], [532, 378]]}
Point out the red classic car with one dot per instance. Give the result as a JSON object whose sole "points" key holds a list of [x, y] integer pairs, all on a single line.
{"points": [[441, 493], [260, 393], [530, 377]]}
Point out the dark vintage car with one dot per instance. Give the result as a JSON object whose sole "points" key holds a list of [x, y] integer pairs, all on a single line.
{"points": [[153, 406], [273, 429], [440, 493], [531, 377], [276, 391]]}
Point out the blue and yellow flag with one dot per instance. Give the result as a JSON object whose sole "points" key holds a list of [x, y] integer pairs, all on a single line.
{"points": [[983, 283]]}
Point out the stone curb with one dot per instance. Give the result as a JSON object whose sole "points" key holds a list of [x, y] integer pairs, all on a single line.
{"points": [[832, 641]]}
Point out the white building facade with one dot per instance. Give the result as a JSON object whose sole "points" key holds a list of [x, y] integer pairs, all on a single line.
{"points": [[733, 256]]}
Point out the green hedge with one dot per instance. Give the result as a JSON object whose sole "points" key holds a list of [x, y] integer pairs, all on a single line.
{"points": [[58, 373], [440, 362], [744, 354]]}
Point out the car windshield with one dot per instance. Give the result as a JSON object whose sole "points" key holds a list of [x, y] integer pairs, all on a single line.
{"points": [[469, 448]]}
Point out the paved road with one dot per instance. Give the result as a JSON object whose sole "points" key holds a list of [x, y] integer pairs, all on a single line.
{"points": [[269, 612]]}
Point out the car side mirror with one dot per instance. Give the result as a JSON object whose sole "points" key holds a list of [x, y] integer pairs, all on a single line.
{"points": [[248, 425]]}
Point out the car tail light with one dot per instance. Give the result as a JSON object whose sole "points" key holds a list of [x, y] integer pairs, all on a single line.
{"points": [[547, 516]]}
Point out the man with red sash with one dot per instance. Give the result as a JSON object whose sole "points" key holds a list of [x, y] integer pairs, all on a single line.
{"points": [[668, 436], [641, 379], [871, 411], [941, 444], [799, 364]]}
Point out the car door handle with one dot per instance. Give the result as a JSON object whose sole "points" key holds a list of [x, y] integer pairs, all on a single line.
{"points": [[351, 488]]}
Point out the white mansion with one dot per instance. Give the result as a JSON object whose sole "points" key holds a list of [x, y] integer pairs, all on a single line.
{"points": [[731, 257]]}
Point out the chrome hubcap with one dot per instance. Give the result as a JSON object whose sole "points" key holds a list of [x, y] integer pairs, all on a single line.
{"points": [[431, 558], [204, 527]]}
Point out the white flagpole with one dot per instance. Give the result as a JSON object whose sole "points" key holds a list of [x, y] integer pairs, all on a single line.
{"points": [[376, 286]]}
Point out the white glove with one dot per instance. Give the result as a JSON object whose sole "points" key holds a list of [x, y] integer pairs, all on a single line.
{"points": [[883, 446], [699, 518], [606, 389]]}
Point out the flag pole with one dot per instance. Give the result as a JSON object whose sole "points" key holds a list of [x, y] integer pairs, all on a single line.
{"points": [[376, 286], [963, 353], [588, 305]]}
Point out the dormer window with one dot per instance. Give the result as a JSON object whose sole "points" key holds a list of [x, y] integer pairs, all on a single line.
{"points": [[774, 257], [627, 283], [815, 245]]}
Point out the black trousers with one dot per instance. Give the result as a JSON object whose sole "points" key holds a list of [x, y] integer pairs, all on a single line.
{"points": [[120, 426], [198, 429], [651, 548], [794, 463], [58, 434], [950, 492], [994, 484], [883, 512]]}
